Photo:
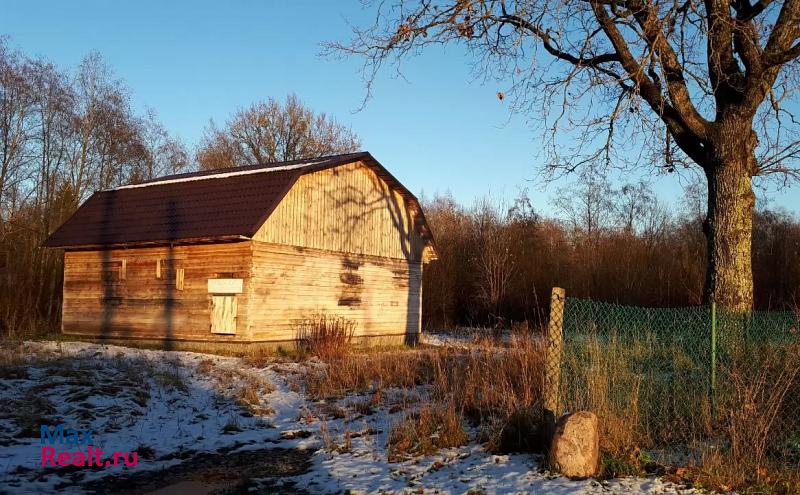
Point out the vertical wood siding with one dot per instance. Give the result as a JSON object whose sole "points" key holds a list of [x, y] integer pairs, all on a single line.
{"points": [[345, 209]]}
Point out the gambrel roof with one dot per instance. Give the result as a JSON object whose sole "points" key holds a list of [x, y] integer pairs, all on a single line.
{"points": [[216, 205]]}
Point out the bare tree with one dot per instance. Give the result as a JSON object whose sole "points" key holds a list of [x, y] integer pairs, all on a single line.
{"points": [[587, 205], [494, 258], [636, 207], [443, 279], [107, 141], [53, 124], [272, 131], [162, 154], [668, 83], [16, 105]]}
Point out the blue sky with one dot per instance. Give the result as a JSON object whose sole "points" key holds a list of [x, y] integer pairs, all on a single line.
{"points": [[439, 130]]}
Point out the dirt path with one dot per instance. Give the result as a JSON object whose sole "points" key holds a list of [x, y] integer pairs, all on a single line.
{"points": [[267, 470]]}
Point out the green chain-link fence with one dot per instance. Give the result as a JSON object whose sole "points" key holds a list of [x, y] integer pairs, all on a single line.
{"points": [[679, 384]]}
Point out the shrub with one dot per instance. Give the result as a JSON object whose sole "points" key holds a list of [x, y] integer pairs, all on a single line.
{"points": [[325, 336]]}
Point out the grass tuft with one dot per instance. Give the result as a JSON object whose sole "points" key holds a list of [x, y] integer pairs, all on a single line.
{"points": [[325, 336], [426, 431]]}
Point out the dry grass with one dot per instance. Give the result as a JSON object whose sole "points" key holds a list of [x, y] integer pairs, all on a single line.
{"points": [[241, 384], [11, 353], [360, 373], [325, 336], [12, 361], [651, 398], [653, 405], [330, 443], [171, 380], [490, 383], [257, 354], [485, 385], [424, 432], [759, 421], [205, 366], [645, 394]]}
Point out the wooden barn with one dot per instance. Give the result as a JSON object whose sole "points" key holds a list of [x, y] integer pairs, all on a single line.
{"points": [[243, 255]]}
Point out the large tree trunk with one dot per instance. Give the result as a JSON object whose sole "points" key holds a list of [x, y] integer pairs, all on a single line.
{"points": [[729, 223]]}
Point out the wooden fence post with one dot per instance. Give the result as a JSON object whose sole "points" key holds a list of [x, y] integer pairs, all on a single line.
{"points": [[555, 342]]}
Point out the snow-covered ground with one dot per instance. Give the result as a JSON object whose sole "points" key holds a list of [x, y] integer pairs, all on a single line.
{"points": [[460, 339], [173, 407], [465, 337]]}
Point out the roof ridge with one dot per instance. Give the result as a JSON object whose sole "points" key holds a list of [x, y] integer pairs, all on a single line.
{"points": [[244, 170], [221, 175]]}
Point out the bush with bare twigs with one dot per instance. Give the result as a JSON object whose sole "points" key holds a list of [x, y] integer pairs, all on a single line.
{"points": [[325, 336]]}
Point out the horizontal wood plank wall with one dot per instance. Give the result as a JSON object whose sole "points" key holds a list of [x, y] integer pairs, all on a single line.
{"points": [[145, 306], [345, 209], [381, 295]]}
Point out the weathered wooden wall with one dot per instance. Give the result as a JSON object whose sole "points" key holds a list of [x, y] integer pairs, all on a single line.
{"points": [[345, 209], [142, 305], [382, 296], [282, 285]]}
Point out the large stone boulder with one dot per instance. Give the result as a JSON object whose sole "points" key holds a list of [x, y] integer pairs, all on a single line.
{"points": [[575, 450]]}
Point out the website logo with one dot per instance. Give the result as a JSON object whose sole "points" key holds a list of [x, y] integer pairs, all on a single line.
{"points": [[72, 447]]}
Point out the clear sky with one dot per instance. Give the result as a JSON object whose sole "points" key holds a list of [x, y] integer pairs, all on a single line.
{"points": [[438, 130]]}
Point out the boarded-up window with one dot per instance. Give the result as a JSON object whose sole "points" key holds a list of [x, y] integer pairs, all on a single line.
{"points": [[179, 279], [223, 314], [113, 271]]}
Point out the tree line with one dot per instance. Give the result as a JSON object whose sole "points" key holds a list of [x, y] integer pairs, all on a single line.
{"points": [[498, 260]]}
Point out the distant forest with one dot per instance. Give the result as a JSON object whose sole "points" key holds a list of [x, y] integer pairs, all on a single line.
{"points": [[499, 260], [66, 134]]}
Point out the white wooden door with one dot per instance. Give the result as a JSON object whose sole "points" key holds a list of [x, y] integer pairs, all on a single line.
{"points": [[223, 314]]}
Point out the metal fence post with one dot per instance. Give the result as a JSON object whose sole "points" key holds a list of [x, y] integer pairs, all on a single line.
{"points": [[555, 342], [713, 381]]}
